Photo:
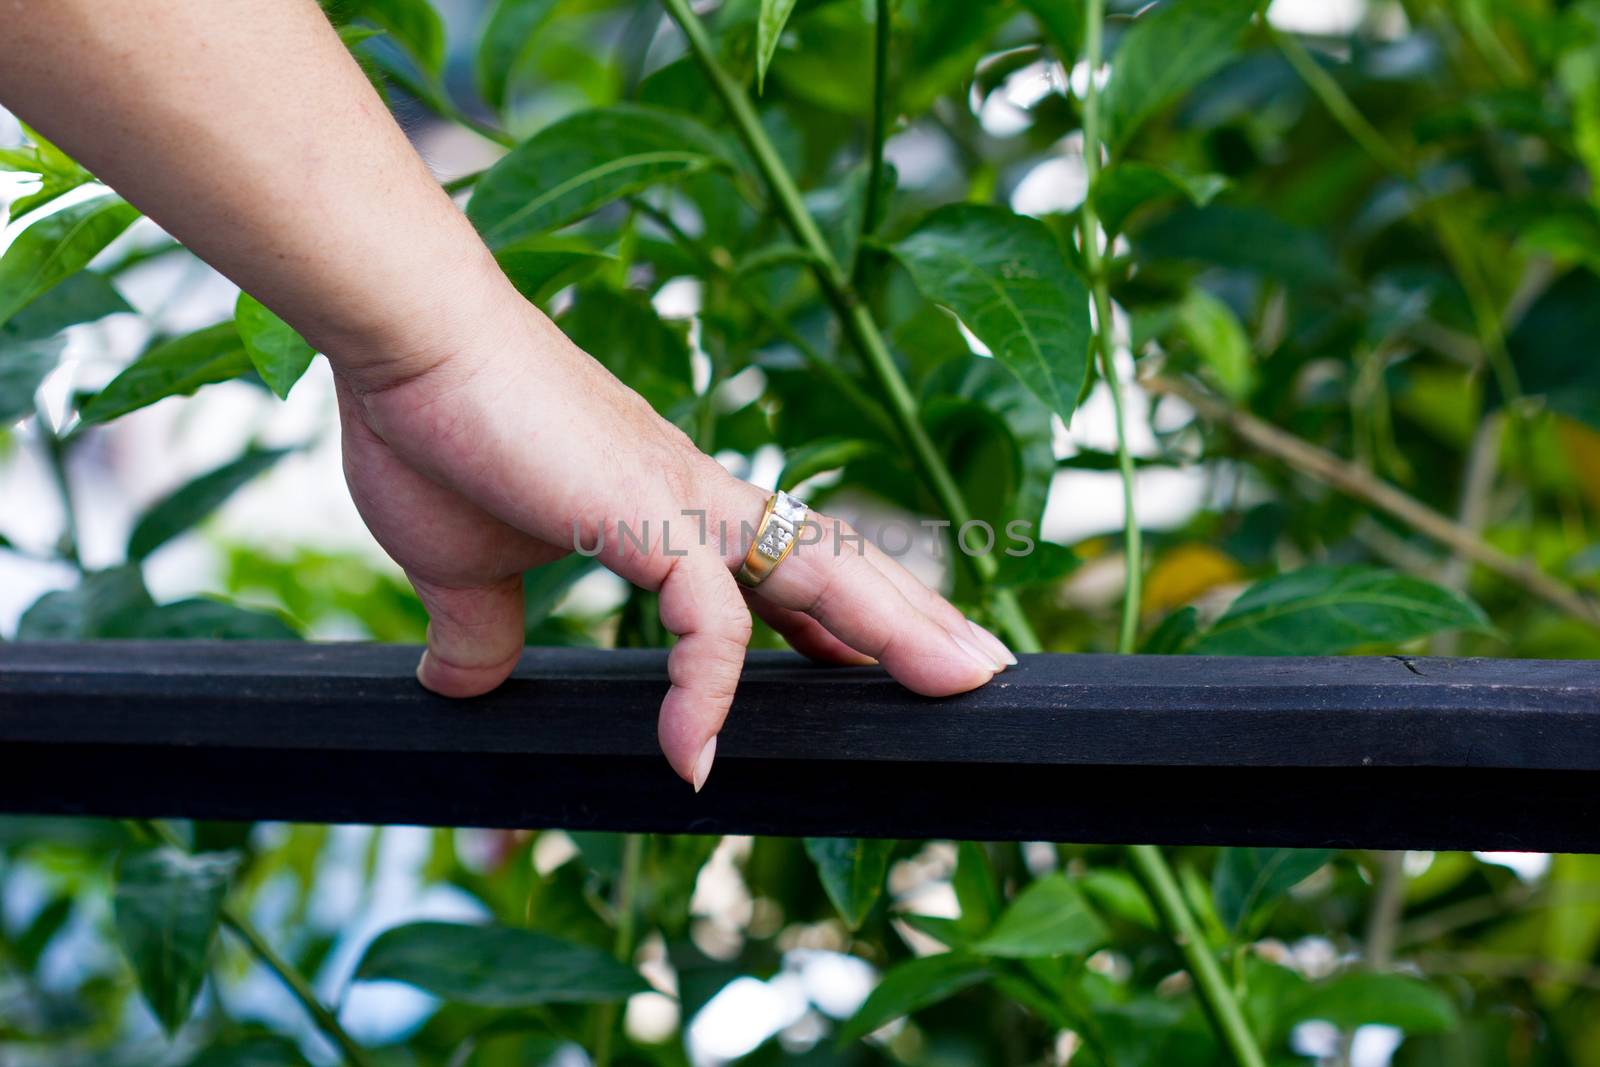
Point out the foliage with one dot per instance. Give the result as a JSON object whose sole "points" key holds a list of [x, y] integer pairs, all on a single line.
{"points": [[1382, 243], [167, 905]]}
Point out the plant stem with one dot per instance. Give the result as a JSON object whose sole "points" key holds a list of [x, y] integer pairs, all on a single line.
{"points": [[1307, 458], [622, 947], [873, 209], [1218, 999], [1133, 549], [297, 985], [856, 318], [1388, 904], [292, 979], [1215, 996], [1472, 514]]}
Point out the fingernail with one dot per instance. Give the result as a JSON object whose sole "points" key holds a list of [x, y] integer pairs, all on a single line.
{"points": [[993, 644], [981, 658], [702, 765], [422, 665]]}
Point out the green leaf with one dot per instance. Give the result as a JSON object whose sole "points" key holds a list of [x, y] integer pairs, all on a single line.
{"points": [[19, 160], [852, 870], [190, 504], [623, 331], [1048, 918], [1327, 610], [948, 41], [998, 439], [1118, 894], [769, 257], [84, 297], [277, 352], [914, 985], [544, 586], [1246, 881], [508, 36], [769, 28], [249, 1050], [1174, 635], [58, 172], [29, 347], [415, 25], [1217, 337], [58, 246], [1124, 188], [1242, 238], [173, 368], [840, 210], [976, 889], [32, 941], [51, 187], [204, 619], [1361, 999], [24, 365], [829, 453], [1004, 276], [1046, 564], [538, 266], [1165, 53], [1552, 348], [166, 905], [1062, 22], [497, 966], [104, 604], [351, 36], [948, 932], [583, 162]]}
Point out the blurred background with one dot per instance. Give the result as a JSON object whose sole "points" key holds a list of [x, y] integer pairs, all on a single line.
{"points": [[1321, 293]]}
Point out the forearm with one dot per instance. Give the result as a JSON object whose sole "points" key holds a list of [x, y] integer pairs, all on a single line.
{"points": [[248, 132]]}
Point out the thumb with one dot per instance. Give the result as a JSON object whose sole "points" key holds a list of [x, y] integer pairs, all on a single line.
{"points": [[700, 602], [474, 635]]}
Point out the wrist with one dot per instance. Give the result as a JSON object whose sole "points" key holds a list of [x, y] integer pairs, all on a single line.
{"points": [[450, 318]]}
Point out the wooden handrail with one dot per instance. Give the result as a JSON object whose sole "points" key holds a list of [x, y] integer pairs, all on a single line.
{"points": [[1371, 752]]}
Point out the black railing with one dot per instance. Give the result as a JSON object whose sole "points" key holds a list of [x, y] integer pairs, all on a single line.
{"points": [[1372, 752]]}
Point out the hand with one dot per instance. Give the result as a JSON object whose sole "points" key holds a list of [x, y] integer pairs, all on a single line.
{"points": [[475, 434], [485, 463]]}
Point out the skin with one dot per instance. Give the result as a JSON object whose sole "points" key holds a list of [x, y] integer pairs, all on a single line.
{"points": [[477, 438]]}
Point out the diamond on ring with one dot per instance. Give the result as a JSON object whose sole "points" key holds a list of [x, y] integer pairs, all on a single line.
{"points": [[775, 538]]}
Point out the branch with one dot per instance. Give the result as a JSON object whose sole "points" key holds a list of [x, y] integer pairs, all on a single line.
{"points": [[1133, 550], [1362, 484], [1149, 864], [1226, 1017], [873, 209]]}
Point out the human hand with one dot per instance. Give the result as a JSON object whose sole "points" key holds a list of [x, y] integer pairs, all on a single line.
{"points": [[475, 434], [491, 459]]}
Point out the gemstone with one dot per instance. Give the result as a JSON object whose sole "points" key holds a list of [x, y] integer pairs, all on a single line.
{"points": [[789, 509]]}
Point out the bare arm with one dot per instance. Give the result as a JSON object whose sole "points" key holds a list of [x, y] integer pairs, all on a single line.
{"points": [[249, 132], [477, 438]]}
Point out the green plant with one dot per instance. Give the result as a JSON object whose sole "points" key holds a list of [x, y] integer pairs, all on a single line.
{"points": [[1356, 276]]}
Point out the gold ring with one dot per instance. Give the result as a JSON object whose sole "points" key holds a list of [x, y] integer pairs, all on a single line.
{"points": [[775, 539]]}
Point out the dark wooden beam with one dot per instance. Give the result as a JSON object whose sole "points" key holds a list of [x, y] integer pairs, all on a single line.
{"points": [[1374, 752]]}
